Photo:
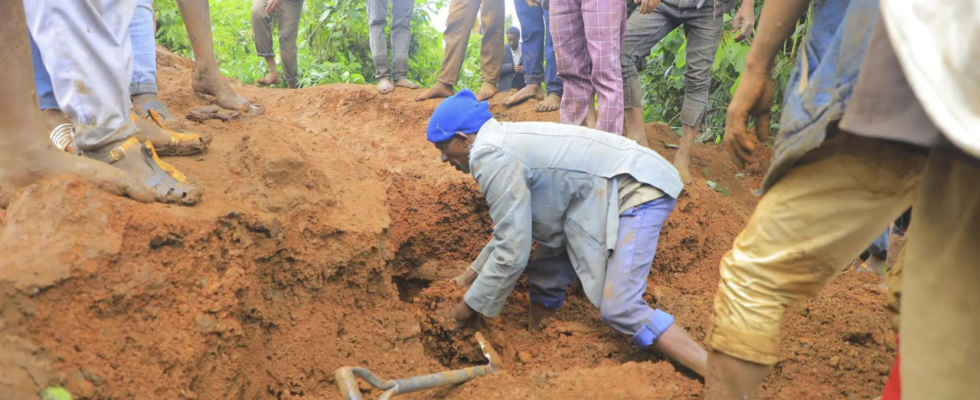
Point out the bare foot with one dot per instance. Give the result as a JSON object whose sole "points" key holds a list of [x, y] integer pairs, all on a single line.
{"points": [[526, 93], [228, 98], [405, 83], [271, 79], [681, 165], [439, 90], [385, 86], [291, 85], [168, 184], [142, 103], [550, 103], [45, 161], [487, 91]]}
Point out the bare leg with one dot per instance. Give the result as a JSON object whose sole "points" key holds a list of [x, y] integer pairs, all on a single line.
{"points": [[437, 91], [538, 317], [635, 128], [26, 153], [207, 77], [532, 91], [272, 78], [732, 379], [683, 156], [591, 117], [385, 86], [550, 103], [677, 344]]}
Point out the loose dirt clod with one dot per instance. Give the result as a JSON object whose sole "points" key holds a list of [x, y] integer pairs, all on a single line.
{"points": [[302, 258]]}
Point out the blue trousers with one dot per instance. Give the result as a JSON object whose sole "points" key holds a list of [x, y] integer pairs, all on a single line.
{"points": [[537, 46], [622, 306], [144, 59]]}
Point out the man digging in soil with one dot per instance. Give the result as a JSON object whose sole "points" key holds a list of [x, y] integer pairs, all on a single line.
{"points": [[595, 203]]}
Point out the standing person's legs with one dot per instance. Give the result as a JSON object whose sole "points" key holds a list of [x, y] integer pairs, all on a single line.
{"points": [[143, 88], [940, 299], [572, 60], [23, 138], [377, 20], [808, 225], [462, 14], [643, 31], [207, 77], [492, 47], [532, 50], [290, 13], [703, 33], [262, 35], [605, 23], [89, 55], [622, 305], [553, 85], [549, 273], [401, 40]]}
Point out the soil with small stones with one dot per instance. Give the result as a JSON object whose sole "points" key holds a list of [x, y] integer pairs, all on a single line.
{"points": [[324, 223]]}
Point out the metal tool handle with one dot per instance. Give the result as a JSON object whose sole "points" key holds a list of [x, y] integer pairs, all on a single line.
{"points": [[347, 383]]}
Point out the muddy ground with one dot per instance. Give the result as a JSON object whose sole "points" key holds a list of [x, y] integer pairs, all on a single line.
{"points": [[305, 256]]}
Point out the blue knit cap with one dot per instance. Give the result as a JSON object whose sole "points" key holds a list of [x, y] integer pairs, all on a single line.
{"points": [[458, 113]]}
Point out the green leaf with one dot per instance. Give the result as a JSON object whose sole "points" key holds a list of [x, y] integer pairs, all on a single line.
{"points": [[55, 393]]}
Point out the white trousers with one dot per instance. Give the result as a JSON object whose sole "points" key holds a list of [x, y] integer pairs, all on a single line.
{"points": [[87, 51]]}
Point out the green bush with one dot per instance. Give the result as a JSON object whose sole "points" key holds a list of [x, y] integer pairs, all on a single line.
{"points": [[333, 41]]}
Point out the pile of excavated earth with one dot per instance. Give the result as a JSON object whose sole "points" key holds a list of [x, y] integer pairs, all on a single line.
{"points": [[324, 239]]}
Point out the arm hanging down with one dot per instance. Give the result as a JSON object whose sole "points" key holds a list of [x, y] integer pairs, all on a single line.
{"points": [[504, 181]]}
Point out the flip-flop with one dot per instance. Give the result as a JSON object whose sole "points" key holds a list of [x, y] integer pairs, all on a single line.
{"points": [[180, 144], [169, 184], [157, 106]]}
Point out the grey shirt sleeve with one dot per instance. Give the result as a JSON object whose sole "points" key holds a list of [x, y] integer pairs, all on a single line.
{"points": [[504, 181]]}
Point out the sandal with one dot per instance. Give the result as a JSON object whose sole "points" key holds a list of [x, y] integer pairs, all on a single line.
{"points": [[168, 183], [180, 144]]}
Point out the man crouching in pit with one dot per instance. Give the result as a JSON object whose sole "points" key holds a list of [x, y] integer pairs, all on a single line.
{"points": [[595, 203]]}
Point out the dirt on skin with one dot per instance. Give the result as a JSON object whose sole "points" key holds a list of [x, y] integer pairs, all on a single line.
{"points": [[307, 253]]}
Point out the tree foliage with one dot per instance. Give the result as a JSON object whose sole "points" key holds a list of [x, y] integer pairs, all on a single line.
{"points": [[332, 40], [663, 79]]}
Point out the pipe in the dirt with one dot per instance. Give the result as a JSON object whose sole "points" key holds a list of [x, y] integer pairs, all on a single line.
{"points": [[347, 382]]}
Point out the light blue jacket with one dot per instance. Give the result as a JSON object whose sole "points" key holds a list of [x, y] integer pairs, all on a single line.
{"points": [[553, 183]]}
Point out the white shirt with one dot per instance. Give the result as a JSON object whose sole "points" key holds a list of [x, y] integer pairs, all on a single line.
{"points": [[516, 54]]}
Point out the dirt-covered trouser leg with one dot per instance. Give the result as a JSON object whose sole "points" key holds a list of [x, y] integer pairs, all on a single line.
{"points": [[622, 306], [814, 220], [940, 296], [549, 273], [88, 53]]}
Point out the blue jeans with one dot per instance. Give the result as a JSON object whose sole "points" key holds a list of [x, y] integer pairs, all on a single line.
{"points": [[144, 59], [144, 50], [534, 34], [622, 306], [42, 81]]}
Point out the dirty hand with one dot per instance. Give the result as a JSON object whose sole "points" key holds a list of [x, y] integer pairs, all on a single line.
{"points": [[647, 6], [519, 69], [753, 98], [465, 278], [272, 6], [744, 21], [463, 313], [533, 3]]}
